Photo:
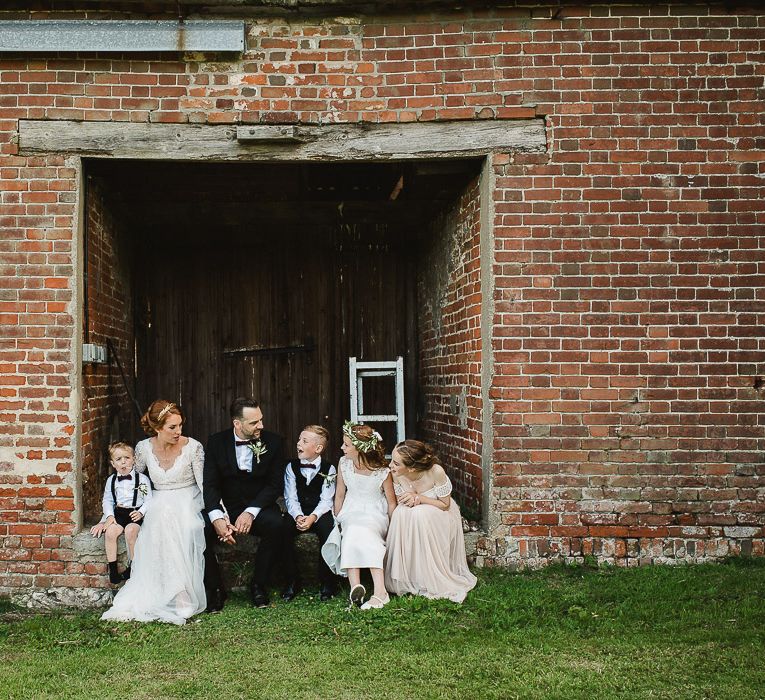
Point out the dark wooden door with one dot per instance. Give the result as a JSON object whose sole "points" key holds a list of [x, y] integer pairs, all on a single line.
{"points": [[272, 312]]}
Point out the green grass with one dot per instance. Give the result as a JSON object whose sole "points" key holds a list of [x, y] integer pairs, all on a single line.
{"points": [[564, 632]]}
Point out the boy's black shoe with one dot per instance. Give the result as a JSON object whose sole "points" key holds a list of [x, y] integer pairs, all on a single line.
{"points": [[114, 576], [290, 591], [259, 597], [327, 593]]}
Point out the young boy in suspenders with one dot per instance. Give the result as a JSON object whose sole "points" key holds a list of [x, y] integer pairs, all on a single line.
{"points": [[126, 497]]}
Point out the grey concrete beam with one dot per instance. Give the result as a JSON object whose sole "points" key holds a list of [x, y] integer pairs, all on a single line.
{"points": [[62, 36]]}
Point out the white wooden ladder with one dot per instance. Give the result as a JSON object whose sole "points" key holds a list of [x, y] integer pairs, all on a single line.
{"points": [[363, 370]]}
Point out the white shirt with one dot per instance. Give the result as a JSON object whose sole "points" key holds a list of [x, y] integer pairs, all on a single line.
{"points": [[124, 489], [309, 470], [244, 457]]}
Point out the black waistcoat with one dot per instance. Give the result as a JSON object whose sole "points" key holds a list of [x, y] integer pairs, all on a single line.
{"points": [[309, 494]]}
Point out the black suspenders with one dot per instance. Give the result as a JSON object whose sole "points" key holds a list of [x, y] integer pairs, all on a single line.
{"points": [[135, 490]]}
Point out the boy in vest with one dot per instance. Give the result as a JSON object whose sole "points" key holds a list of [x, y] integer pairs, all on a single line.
{"points": [[126, 496], [309, 491]]}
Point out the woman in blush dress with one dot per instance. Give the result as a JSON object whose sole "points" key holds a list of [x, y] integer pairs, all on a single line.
{"points": [[166, 581], [425, 546]]}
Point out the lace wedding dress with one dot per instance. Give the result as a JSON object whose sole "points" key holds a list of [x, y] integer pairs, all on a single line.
{"points": [[166, 581], [426, 549]]}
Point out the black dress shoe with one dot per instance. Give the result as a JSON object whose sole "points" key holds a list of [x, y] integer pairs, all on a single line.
{"points": [[215, 600], [327, 593], [259, 597], [126, 574], [290, 591]]}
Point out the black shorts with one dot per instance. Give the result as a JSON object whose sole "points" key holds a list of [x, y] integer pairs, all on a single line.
{"points": [[122, 516]]}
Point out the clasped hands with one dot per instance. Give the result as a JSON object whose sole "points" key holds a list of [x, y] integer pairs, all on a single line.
{"points": [[226, 531], [408, 498], [305, 522]]}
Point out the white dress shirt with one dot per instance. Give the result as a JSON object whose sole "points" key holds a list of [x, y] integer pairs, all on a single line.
{"points": [[244, 457], [309, 471], [124, 489]]}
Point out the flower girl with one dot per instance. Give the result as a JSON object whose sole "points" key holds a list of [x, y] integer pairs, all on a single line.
{"points": [[364, 501]]}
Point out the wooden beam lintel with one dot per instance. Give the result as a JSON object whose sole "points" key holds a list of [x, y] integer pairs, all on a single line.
{"points": [[337, 142]]}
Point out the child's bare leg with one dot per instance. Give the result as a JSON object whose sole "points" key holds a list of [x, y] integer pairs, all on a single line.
{"points": [[131, 534], [354, 577], [378, 578], [110, 538]]}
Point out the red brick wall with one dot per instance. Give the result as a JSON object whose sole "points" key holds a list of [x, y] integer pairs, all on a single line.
{"points": [[37, 484], [627, 337], [106, 410], [449, 294]]}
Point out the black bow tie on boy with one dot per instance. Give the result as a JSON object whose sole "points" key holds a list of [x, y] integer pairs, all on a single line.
{"points": [[124, 478]]}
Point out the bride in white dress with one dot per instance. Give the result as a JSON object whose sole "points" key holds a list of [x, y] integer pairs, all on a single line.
{"points": [[166, 581]]}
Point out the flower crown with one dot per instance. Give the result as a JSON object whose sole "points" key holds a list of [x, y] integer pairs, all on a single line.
{"points": [[359, 443]]}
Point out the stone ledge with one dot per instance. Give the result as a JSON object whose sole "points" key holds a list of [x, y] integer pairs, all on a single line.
{"points": [[57, 598]]}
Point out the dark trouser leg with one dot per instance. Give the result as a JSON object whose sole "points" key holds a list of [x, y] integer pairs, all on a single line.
{"points": [[289, 564], [212, 579], [271, 528], [323, 527]]}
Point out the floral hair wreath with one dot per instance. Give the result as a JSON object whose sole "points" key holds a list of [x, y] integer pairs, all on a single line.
{"points": [[359, 443]]}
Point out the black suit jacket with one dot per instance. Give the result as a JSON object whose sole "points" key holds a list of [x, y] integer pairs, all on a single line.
{"points": [[225, 482]]}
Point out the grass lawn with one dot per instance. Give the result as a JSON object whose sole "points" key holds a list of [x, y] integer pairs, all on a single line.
{"points": [[564, 632]]}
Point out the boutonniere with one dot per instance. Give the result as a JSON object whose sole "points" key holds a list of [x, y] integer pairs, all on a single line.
{"points": [[143, 489], [329, 479], [258, 449]]}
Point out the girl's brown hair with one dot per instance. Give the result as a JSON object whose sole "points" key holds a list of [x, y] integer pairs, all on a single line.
{"points": [[374, 457]]}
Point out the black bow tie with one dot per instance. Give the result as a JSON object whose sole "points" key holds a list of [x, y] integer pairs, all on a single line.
{"points": [[309, 465], [124, 478], [239, 443]]}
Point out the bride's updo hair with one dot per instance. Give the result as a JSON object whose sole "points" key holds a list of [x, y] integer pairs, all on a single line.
{"points": [[157, 414], [416, 455], [368, 444]]}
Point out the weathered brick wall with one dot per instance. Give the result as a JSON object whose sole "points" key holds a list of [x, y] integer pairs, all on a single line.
{"points": [[107, 414], [449, 290], [627, 399], [38, 487]]}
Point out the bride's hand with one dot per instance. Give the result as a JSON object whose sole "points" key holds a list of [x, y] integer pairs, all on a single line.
{"points": [[224, 531]]}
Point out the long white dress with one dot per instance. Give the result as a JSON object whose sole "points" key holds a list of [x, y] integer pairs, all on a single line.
{"points": [[426, 550], [363, 519], [166, 581]]}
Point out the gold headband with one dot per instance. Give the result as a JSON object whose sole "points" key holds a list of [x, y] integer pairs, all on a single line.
{"points": [[162, 413]]}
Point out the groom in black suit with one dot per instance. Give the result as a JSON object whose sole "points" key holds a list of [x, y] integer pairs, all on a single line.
{"points": [[244, 470]]}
